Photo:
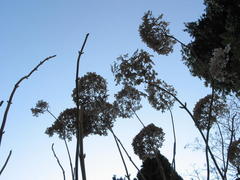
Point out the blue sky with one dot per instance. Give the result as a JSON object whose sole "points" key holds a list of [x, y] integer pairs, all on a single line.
{"points": [[32, 30]]}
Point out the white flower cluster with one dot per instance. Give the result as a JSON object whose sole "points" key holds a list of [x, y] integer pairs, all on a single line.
{"points": [[218, 63]]}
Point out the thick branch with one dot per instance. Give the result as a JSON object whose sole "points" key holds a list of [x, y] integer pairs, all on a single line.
{"points": [[9, 102]]}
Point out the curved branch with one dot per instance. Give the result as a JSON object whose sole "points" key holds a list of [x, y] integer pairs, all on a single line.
{"points": [[5, 164], [58, 162], [129, 157], [9, 102]]}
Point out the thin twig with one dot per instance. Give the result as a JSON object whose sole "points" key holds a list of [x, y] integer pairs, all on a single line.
{"points": [[70, 159], [129, 157], [183, 106], [138, 117], [58, 161], [5, 164], [66, 145], [79, 124], [9, 102], [120, 152]]}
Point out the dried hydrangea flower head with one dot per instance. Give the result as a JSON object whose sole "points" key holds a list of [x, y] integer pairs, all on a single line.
{"points": [[92, 88], [218, 64], [159, 99], [65, 125], [134, 70], [155, 33], [234, 153], [40, 108], [147, 142], [128, 100], [202, 108]]}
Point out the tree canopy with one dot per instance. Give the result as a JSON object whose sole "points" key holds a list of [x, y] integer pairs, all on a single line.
{"points": [[214, 52]]}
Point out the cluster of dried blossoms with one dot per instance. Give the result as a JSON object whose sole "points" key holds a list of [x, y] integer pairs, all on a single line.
{"points": [[218, 65], [40, 108], [134, 73], [155, 33], [234, 154], [201, 113], [98, 114], [147, 142]]}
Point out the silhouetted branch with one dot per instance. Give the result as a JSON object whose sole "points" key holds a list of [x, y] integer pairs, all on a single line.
{"points": [[138, 117], [58, 161], [79, 133], [66, 145], [120, 152], [129, 157], [9, 102], [175, 140], [184, 106], [1, 102], [70, 159], [5, 164]]}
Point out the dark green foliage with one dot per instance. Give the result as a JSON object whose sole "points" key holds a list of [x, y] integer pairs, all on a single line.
{"points": [[151, 169], [218, 28]]}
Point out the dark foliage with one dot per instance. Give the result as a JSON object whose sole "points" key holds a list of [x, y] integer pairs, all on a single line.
{"points": [[218, 28], [151, 169]]}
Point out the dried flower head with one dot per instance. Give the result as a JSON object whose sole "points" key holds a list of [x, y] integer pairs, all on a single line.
{"points": [[65, 125], [135, 70], [40, 108], [92, 88], [128, 100], [218, 64], [147, 142], [155, 33], [96, 121], [158, 98], [202, 108], [234, 153]]}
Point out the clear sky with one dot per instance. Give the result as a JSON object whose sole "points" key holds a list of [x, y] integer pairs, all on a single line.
{"points": [[34, 29]]}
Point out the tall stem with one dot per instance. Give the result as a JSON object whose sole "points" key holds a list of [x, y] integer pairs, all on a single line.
{"points": [[79, 131], [120, 152]]}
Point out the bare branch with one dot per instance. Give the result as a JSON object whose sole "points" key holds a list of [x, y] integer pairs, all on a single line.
{"points": [[79, 133], [9, 102], [5, 164], [58, 161]]}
